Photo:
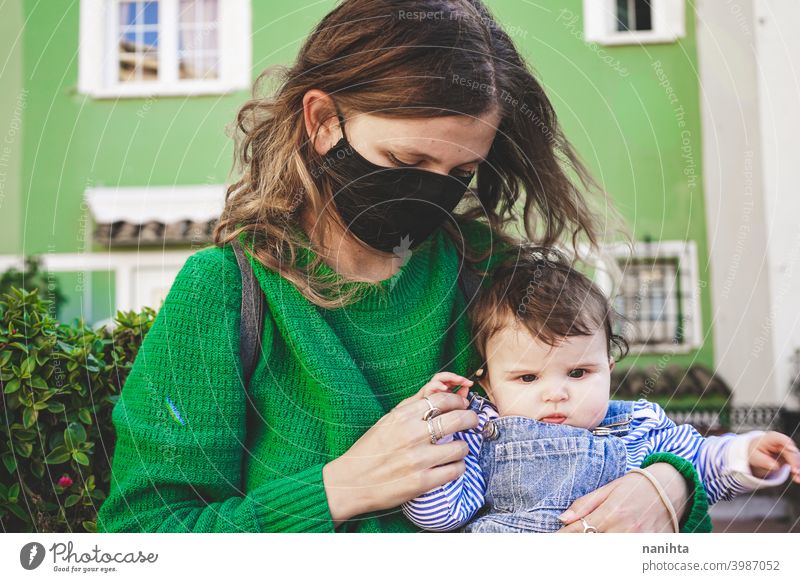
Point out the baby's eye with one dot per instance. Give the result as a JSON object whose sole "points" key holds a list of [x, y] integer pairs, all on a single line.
{"points": [[528, 378], [577, 373]]}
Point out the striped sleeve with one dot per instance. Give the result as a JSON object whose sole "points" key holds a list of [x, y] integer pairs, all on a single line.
{"points": [[720, 461], [450, 506]]}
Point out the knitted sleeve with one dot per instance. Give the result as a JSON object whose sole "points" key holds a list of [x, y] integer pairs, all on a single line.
{"points": [[696, 518], [180, 424]]}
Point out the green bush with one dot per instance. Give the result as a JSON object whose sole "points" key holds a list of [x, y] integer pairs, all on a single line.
{"points": [[59, 384], [32, 277]]}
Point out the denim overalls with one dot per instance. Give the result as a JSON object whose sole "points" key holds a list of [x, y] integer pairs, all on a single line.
{"points": [[535, 470]]}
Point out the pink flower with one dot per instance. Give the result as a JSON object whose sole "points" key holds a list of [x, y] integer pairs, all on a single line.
{"points": [[65, 481]]}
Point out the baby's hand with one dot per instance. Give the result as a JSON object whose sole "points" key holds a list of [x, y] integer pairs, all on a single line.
{"points": [[770, 452]]}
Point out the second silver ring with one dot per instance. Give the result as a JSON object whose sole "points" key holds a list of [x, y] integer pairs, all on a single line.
{"points": [[432, 411]]}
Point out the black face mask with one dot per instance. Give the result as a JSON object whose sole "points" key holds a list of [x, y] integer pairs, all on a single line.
{"points": [[390, 207]]}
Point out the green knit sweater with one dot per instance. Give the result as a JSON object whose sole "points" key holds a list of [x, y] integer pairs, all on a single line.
{"points": [[196, 452]]}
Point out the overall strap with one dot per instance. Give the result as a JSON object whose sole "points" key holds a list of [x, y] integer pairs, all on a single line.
{"points": [[251, 324]]}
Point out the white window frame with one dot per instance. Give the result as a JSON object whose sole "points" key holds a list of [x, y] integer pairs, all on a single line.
{"points": [[685, 253], [600, 23], [98, 52]]}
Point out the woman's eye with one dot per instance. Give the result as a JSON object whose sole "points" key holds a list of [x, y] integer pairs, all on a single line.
{"points": [[578, 373], [528, 377], [399, 163], [463, 173], [402, 164]]}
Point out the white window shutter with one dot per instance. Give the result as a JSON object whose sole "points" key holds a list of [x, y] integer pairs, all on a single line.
{"points": [[236, 31], [91, 49]]}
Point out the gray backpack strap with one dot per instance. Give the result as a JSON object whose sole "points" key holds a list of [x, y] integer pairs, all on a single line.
{"points": [[251, 324], [469, 282]]}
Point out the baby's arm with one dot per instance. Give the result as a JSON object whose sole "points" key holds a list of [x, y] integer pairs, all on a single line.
{"points": [[721, 461], [450, 506], [732, 461]]}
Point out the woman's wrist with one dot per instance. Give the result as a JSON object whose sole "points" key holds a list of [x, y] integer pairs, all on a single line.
{"points": [[673, 485], [343, 502], [693, 514]]}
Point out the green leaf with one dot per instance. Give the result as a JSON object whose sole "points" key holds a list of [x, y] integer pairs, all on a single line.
{"points": [[39, 405], [25, 435], [84, 415], [37, 468], [12, 386], [74, 434], [72, 500], [56, 407], [13, 493], [27, 367], [5, 357], [58, 455], [10, 462], [90, 526], [38, 382], [29, 416], [24, 449], [80, 458], [19, 512]]}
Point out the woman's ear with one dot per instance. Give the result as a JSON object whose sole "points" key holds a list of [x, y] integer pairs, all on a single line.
{"points": [[611, 364], [323, 131]]}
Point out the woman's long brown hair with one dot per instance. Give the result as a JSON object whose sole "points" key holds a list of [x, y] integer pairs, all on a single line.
{"points": [[406, 58]]}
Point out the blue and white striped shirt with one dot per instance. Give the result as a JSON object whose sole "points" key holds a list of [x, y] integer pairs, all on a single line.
{"points": [[721, 462]]}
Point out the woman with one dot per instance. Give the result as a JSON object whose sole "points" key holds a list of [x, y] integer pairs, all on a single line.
{"points": [[350, 178]]}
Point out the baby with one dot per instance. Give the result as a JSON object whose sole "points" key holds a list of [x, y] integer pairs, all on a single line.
{"points": [[549, 434]]}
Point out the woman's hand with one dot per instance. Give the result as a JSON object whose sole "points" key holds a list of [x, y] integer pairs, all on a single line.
{"points": [[395, 461], [630, 503]]}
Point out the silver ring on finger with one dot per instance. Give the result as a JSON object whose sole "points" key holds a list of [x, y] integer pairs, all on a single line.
{"points": [[439, 426], [432, 410], [432, 431], [588, 528]]}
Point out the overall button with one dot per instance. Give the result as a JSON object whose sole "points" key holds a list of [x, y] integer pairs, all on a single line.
{"points": [[489, 430]]}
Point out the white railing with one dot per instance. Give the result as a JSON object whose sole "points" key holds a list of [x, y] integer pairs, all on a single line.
{"points": [[142, 278]]}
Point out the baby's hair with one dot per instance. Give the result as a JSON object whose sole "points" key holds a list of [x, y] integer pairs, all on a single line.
{"points": [[539, 289]]}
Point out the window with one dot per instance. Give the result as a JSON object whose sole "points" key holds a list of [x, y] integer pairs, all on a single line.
{"points": [[164, 47], [633, 21], [634, 15], [658, 295]]}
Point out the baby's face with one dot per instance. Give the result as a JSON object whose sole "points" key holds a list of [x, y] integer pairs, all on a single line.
{"points": [[566, 384]]}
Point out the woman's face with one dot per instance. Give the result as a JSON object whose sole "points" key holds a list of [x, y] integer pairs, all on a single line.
{"points": [[447, 145]]}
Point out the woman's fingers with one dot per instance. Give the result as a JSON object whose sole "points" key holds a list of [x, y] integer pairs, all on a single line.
{"points": [[629, 503], [583, 506], [444, 401], [442, 474], [447, 424], [451, 378]]}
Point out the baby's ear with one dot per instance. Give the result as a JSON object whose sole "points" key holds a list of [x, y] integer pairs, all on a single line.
{"points": [[611, 364], [483, 380]]}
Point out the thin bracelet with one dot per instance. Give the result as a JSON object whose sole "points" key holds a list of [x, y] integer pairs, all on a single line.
{"points": [[662, 494]]}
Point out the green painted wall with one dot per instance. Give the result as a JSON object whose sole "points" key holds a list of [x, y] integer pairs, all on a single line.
{"points": [[629, 116], [633, 112], [13, 102]]}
